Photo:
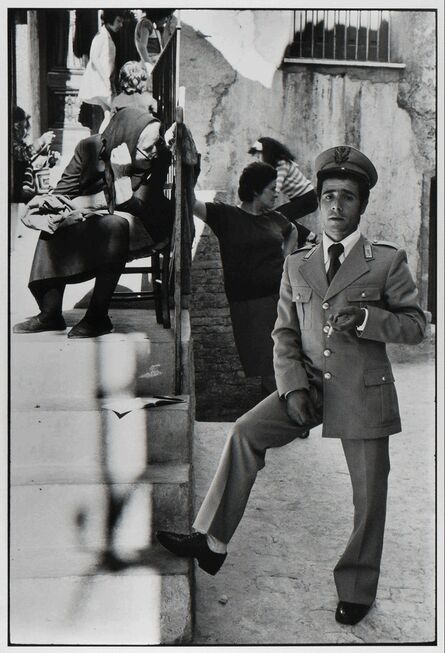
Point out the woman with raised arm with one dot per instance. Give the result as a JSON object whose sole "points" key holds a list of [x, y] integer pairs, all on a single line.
{"points": [[254, 240]]}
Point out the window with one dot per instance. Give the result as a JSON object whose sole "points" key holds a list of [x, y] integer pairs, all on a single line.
{"points": [[341, 36]]}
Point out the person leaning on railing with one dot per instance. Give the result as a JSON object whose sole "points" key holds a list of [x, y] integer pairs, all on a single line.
{"points": [[82, 236], [254, 240]]}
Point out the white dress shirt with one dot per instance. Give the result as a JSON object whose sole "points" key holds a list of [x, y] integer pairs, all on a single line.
{"points": [[348, 243]]}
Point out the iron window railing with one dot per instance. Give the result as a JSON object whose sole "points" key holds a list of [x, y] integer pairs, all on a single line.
{"points": [[342, 35]]}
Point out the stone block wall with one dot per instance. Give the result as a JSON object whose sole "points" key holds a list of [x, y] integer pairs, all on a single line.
{"points": [[222, 391]]}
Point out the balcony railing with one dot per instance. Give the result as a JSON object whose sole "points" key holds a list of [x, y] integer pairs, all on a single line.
{"points": [[348, 36]]}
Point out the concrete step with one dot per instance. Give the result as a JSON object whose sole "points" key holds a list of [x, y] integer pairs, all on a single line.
{"points": [[50, 365], [68, 442], [99, 516], [81, 599]]}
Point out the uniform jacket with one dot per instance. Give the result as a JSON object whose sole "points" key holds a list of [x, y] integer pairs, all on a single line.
{"points": [[350, 369]]}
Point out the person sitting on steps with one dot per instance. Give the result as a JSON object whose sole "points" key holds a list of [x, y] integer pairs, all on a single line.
{"points": [[83, 236]]}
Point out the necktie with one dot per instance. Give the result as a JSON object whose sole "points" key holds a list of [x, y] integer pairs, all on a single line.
{"points": [[335, 252]]}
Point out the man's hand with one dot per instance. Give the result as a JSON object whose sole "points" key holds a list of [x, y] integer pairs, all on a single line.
{"points": [[300, 408], [347, 318]]}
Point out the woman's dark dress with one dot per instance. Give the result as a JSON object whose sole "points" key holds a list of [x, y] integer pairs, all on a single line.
{"points": [[251, 248]]}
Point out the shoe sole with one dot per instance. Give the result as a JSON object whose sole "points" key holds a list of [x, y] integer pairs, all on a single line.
{"points": [[29, 333]]}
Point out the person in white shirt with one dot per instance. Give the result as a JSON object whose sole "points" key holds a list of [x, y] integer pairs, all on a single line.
{"points": [[340, 302], [97, 86]]}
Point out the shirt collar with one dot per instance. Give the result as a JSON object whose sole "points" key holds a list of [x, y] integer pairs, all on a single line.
{"points": [[348, 243]]}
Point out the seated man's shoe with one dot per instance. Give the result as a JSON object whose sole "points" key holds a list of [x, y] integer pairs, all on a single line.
{"points": [[192, 546], [89, 328], [40, 323], [351, 613], [304, 435]]}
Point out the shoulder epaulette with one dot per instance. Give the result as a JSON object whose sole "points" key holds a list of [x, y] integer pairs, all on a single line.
{"points": [[309, 247], [386, 243]]}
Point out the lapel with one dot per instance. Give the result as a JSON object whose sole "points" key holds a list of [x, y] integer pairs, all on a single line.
{"points": [[354, 266], [313, 271]]}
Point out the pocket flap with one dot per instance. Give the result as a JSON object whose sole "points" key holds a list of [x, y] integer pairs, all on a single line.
{"points": [[378, 377], [361, 294], [301, 293]]}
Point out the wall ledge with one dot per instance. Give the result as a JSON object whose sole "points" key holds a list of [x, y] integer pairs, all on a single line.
{"points": [[342, 62]]}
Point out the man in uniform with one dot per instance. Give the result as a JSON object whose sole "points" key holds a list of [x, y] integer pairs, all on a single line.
{"points": [[340, 302]]}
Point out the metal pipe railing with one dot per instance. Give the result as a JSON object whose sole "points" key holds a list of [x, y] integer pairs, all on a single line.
{"points": [[166, 92]]}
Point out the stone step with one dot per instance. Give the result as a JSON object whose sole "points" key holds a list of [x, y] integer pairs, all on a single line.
{"points": [[51, 365], [68, 441], [99, 516], [83, 600]]}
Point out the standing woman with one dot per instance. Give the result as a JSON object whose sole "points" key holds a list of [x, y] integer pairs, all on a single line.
{"points": [[290, 180], [254, 240], [97, 86]]}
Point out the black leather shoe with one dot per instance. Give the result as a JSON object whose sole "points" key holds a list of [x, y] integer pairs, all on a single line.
{"points": [[88, 328], [351, 613], [192, 546], [40, 323], [304, 435]]}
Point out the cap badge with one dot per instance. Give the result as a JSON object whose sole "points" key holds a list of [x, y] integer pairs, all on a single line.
{"points": [[341, 154]]}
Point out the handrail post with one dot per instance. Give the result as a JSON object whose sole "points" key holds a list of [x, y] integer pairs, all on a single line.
{"points": [[178, 252]]}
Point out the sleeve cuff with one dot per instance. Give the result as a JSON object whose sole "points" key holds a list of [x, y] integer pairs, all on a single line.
{"points": [[362, 326]]}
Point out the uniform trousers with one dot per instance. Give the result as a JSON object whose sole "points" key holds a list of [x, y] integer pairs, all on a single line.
{"points": [[267, 425]]}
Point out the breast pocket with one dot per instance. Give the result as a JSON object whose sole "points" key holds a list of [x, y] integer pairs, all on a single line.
{"points": [[360, 295], [381, 397], [301, 295]]}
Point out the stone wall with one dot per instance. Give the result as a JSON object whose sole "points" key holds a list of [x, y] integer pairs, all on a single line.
{"points": [[232, 98], [222, 391]]}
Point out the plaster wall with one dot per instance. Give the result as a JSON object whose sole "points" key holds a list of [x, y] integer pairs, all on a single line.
{"points": [[237, 90]]}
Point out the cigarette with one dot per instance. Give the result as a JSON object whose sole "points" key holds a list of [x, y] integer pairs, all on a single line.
{"points": [[330, 331]]}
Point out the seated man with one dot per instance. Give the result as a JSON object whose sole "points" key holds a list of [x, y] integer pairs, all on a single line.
{"points": [[340, 302], [82, 235]]}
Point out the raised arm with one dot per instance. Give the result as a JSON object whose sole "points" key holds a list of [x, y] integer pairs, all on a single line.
{"points": [[199, 208]]}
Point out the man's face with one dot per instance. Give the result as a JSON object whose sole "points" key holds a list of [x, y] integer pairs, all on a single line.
{"points": [[340, 207], [146, 146], [117, 24]]}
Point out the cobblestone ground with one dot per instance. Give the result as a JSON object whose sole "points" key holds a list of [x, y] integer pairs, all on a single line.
{"points": [[276, 586]]}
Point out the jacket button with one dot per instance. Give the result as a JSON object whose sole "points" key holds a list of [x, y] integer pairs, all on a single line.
{"points": [[325, 306], [327, 352], [298, 296], [326, 328], [383, 378], [363, 294], [327, 375]]}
